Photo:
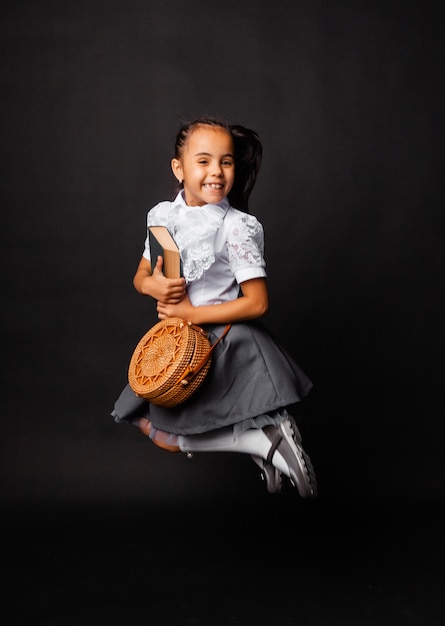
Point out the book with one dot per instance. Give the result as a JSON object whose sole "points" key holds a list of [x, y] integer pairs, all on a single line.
{"points": [[162, 243]]}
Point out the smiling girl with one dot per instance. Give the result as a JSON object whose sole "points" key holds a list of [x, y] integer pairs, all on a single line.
{"points": [[242, 405]]}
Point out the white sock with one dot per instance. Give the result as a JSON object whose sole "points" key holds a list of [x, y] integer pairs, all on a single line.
{"points": [[253, 441]]}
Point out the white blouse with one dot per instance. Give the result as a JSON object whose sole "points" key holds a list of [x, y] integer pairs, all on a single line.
{"points": [[220, 247]]}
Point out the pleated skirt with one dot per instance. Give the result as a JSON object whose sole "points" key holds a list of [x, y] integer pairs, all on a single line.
{"points": [[252, 379]]}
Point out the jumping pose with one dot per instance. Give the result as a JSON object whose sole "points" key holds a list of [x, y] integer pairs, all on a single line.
{"points": [[242, 405]]}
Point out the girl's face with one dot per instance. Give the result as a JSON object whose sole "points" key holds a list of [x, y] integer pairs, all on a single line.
{"points": [[206, 166]]}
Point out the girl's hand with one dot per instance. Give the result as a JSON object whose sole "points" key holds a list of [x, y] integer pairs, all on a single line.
{"points": [[169, 290], [182, 309], [156, 285]]}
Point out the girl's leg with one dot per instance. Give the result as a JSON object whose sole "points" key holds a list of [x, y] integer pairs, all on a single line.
{"points": [[279, 446], [169, 442]]}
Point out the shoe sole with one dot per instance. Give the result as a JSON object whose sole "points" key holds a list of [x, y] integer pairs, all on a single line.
{"points": [[305, 480]]}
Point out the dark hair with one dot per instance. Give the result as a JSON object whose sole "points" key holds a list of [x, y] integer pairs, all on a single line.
{"points": [[248, 154]]}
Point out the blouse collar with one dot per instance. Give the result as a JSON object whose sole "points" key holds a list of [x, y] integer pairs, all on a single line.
{"points": [[194, 229]]}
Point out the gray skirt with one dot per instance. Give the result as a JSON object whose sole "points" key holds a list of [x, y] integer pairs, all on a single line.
{"points": [[251, 381]]}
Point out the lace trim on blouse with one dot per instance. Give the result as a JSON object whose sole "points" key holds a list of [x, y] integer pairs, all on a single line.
{"points": [[194, 230], [245, 245]]}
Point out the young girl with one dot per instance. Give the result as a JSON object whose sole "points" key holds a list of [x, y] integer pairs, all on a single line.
{"points": [[241, 405]]}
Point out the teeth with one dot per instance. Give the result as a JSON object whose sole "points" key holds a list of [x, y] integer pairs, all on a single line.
{"points": [[214, 186]]}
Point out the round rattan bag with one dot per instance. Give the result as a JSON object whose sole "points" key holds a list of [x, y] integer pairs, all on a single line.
{"points": [[170, 362]]}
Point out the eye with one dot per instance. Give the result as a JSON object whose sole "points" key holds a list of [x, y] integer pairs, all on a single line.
{"points": [[203, 161], [227, 163]]}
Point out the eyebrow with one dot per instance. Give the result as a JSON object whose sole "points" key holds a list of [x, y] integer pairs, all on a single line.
{"points": [[228, 154]]}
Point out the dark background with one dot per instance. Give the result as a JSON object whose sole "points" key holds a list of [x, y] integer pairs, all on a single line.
{"points": [[348, 100]]}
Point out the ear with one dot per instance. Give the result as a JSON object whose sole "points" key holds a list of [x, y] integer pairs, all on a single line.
{"points": [[177, 169]]}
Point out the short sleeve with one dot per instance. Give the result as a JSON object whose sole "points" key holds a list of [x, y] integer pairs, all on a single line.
{"points": [[156, 216], [245, 247]]}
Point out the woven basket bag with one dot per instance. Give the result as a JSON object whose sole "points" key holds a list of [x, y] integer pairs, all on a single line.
{"points": [[171, 361]]}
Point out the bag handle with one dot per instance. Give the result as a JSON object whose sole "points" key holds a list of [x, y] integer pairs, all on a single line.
{"points": [[190, 372]]}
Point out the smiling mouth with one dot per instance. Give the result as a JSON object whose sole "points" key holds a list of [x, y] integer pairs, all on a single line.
{"points": [[216, 186]]}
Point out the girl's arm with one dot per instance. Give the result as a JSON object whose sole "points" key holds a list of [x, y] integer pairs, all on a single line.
{"points": [[156, 285], [253, 303]]}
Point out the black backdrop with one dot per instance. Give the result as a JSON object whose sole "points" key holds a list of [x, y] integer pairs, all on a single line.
{"points": [[346, 98]]}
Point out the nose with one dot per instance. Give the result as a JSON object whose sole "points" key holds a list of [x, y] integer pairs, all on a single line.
{"points": [[217, 169]]}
